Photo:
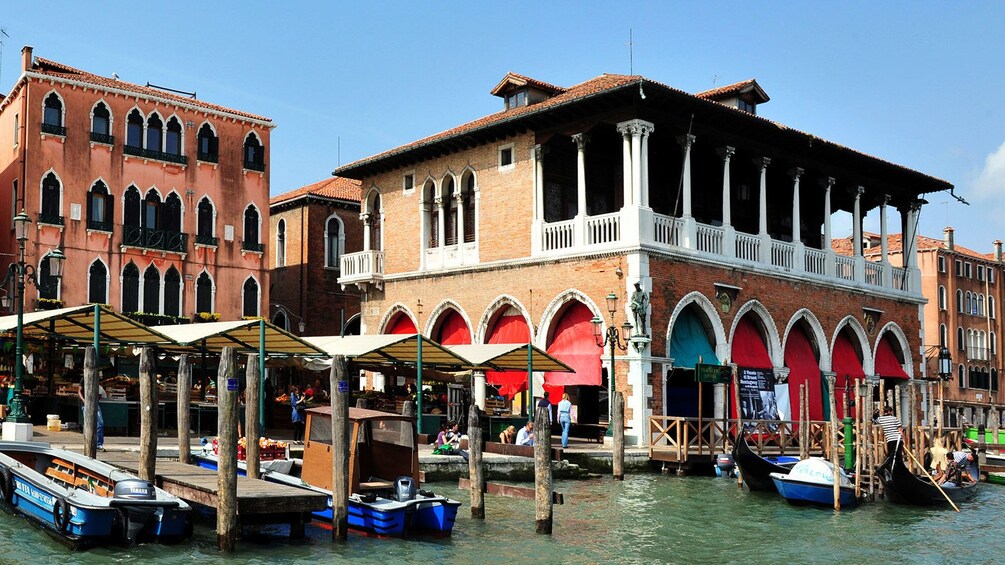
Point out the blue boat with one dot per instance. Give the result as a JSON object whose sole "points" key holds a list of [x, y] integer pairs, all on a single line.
{"points": [[85, 502], [811, 481]]}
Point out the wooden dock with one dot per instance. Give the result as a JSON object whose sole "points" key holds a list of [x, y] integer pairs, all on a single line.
{"points": [[258, 501]]}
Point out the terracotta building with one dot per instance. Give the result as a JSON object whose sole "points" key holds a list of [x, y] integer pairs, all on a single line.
{"points": [[518, 225], [963, 288], [311, 228], [158, 200]]}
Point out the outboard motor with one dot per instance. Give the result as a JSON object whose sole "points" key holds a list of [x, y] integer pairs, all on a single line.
{"points": [[134, 517], [724, 465], [404, 488], [135, 489]]}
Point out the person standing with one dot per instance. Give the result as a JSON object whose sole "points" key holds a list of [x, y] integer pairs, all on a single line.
{"points": [[101, 421], [892, 428], [297, 402], [565, 418]]}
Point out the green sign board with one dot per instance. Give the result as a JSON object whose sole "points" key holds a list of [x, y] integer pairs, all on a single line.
{"points": [[712, 373]]}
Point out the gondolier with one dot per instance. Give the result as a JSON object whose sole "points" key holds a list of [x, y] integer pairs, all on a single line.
{"points": [[893, 430]]}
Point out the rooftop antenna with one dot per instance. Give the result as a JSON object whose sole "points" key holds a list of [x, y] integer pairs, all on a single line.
{"points": [[3, 34], [338, 150], [631, 55]]}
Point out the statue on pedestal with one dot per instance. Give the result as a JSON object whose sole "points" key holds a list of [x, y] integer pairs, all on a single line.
{"points": [[639, 305]]}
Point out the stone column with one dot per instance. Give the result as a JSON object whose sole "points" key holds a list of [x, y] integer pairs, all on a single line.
{"points": [[626, 160], [645, 167], [857, 235], [828, 184], [690, 229], [636, 131], [441, 228], [728, 232], [367, 220], [579, 234], [798, 260], [762, 209], [537, 159], [884, 246], [459, 210], [478, 386]]}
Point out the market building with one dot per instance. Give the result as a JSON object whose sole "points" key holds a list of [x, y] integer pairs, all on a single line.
{"points": [[517, 227], [311, 228]]}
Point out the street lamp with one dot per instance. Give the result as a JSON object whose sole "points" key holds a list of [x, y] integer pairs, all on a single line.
{"points": [[945, 364], [612, 338], [20, 272]]}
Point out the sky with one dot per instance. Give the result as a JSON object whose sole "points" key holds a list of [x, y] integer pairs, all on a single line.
{"points": [[915, 83]]}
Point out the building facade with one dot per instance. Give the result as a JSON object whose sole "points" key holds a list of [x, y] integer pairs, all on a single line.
{"points": [[158, 200], [516, 227], [311, 228]]}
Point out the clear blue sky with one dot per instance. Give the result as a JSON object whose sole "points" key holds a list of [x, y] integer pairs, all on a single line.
{"points": [[916, 83]]}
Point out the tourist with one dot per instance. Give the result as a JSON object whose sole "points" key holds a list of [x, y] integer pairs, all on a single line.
{"points": [[565, 418], [318, 393], [299, 405], [448, 441], [508, 435], [545, 403], [526, 435], [892, 428], [961, 467], [101, 420]]}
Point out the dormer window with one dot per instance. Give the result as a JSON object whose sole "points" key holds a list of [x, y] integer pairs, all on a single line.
{"points": [[746, 106], [516, 99]]}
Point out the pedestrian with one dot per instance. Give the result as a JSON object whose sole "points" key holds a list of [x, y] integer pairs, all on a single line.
{"points": [[526, 435], [298, 404], [101, 421], [565, 418], [545, 403]]}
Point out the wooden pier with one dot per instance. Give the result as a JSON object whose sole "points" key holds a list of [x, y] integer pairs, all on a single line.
{"points": [[258, 501]]}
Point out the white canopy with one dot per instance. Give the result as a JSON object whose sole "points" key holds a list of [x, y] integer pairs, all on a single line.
{"points": [[78, 324], [383, 349], [245, 335], [508, 357]]}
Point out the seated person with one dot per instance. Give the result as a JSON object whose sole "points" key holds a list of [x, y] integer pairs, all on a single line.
{"points": [[526, 435], [508, 435], [448, 441]]}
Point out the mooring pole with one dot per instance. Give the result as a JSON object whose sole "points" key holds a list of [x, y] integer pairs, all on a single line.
{"points": [[476, 472], [542, 471], [340, 449], [226, 480], [91, 399], [418, 383], [184, 396], [834, 443], [252, 395], [618, 421], [148, 416]]}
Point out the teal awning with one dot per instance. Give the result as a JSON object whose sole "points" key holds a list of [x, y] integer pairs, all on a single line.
{"points": [[689, 342]]}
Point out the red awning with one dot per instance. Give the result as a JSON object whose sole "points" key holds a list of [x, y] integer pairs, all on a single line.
{"points": [[804, 367], [402, 324], [573, 343], [887, 364], [510, 328], [748, 350], [454, 331], [846, 365]]}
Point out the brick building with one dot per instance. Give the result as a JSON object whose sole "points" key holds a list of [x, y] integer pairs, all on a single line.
{"points": [[311, 228], [158, 200], [517, 225]]}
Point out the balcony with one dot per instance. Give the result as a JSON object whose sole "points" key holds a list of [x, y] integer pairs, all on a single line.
{"points": [[202, 239], [51, 219], [155, 155], [362, 268], [102, 138], [161, 240], [253, 166], [253, 246], [53, 129], [99, 225], [208, 157]]}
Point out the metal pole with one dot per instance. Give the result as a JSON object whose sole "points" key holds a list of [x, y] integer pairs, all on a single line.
{"points": [[418, 386], [530, 377], [17, 412], [611, 337]]}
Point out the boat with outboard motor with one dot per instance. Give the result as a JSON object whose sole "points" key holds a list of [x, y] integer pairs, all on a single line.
{"points": [[756, 470], [86, 502], [811, 481]]}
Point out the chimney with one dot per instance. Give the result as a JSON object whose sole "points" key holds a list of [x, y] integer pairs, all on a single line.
{"points": [[26, 58], [998, 250], [948, 238]]}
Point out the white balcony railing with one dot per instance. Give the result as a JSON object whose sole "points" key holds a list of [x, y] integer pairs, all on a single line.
{"points": [[748, 247], [709, 239], [783, 254], [558, 235], [816, 262], [873, 273], [668, 230], [603, 229], [844, 267], [901, 280], [362, 267]]}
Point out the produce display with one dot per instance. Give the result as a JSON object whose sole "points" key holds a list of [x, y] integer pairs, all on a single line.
{"points": [[268, 449]]}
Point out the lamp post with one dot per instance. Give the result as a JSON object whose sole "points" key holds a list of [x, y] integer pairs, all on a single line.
{"points": [[19, 272], [612, 337], [945, 373]]}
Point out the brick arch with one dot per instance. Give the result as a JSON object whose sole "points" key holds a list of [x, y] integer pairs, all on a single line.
{"points": [[490, 312], [706, 306], [554, 310], [816, 332], [857, 331], [900, 338], [436, 317], [394, 311], [767, 324]]}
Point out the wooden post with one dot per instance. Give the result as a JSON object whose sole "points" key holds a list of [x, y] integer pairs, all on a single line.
{"points": [[91, 400], [407, 409], [802, 415], [252, 394], [542, 469], [227, 529], [340, 449], [184, 409], [912, 406], [739, 418], [618, 455], [871, 444], [148, 416], [834, 443], [859, 440], [476, 472]]}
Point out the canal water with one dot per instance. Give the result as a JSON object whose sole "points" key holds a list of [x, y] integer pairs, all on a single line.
{"points": [[649, 518]]}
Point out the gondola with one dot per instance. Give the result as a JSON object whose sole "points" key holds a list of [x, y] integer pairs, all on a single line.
{"points": [[756, 470], [904, 487]]}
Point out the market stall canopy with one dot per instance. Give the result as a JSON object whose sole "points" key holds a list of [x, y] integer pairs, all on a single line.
{"points": [[508, 357], [245, 335], [78, 323], [383, 349]]}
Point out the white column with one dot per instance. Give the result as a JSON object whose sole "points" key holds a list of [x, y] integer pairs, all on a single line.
{"points": [[762, 210], [478, 388], [459, 210], [685, 142], [728, 232], [887, 272], [827, 183], [645, 167], [537, 159], [626, 164], [636, 131], [857, 235], [367, 219], [579, 233], [799, 255], [441, 228]]}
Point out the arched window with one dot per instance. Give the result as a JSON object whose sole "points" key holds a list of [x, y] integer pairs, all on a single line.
{"points": [[991, 305], [432, 215], [980, 304], [967, 303], [97, 283], [134, 129], [204, 223], [250, 300], [280, 320], [204, 293], [942, 297], [155, 132], [51, 195], [994, 379], [48, 285], [208, 144], [99, 209], [281, 244], [375, 227], [943, 335], [961, 342], [52, 115], [251, 241], [959, 301], [152, 290], [172, 138], [334, 242], [151, 210], [172, 292], [994, 343], [131, 207], [130, 288], [101, 124], [468, 207], [170, 219], [254, 154], [961, 375], [450, 210]]}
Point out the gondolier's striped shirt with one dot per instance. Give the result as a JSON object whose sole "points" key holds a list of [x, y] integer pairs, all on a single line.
{"points": [[891, 427], [961, 456]]}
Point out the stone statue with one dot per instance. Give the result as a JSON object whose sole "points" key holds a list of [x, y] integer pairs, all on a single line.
{"points": [[640, 303]]}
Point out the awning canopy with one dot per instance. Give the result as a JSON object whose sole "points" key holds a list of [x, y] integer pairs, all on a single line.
{"points": [[508, 357], [887, 364], [245, 335], [383, 349], [78, 323], [689, 343]]}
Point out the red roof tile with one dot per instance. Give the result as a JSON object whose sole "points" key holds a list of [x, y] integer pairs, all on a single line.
{"points": [[521, 80], [340, 188], [895, 244], [735, 88], [59, 70]]}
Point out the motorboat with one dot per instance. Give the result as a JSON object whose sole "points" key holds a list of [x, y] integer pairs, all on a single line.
{"points": [[811, 481]]}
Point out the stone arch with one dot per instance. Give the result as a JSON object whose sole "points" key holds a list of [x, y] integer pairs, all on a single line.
{"points": [[394, 311], [816, 332], [712, 315], [900, 338], [490, 312], [434, 317], [767, 324], [852, 323], [555, 308]]}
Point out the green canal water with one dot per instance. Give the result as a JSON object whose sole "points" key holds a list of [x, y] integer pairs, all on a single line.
{"points": [[648, 518]]}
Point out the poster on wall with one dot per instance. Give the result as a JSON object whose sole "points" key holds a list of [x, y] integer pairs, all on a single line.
{"points": [[757, 396]]}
